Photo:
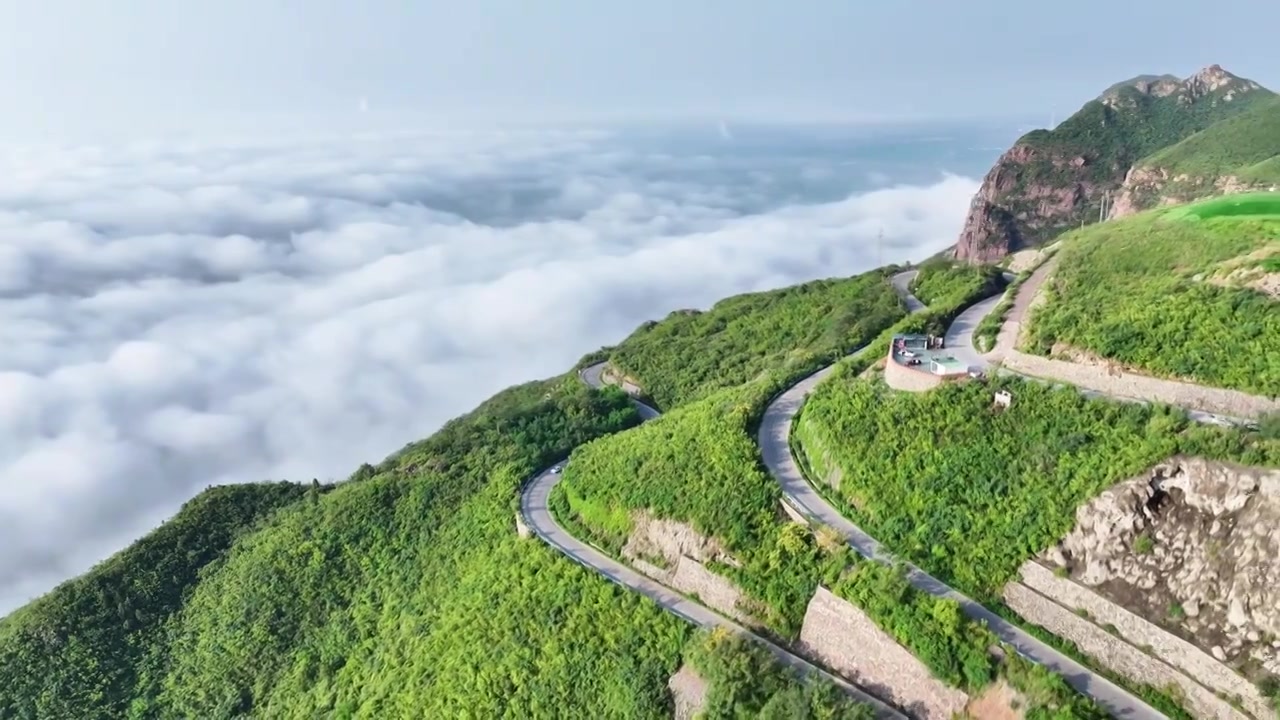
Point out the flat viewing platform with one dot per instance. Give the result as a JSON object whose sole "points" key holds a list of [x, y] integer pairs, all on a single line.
{"points": [[921, 362]]}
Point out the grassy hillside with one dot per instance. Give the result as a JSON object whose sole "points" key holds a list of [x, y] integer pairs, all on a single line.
{"points": [[691, 354], [1225, 148], [970, 493], [1168, 292], [942, 282], [1267, 171], [76, 652]]}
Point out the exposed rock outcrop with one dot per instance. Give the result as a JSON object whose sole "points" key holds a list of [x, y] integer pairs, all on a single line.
{"points": [[1194, 545], [1147, 186], [688, 693], [844, 639], [1054, 180]]}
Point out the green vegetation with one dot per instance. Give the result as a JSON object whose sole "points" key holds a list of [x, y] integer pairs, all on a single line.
{"points": [[1267, 171], [699, 465], [746, 681], [1230, 147], [76, 651], [691, 354], [1232, 206], [1143, 544], [1132, 125], [970, 492], [1151, 292], [941, 282]]}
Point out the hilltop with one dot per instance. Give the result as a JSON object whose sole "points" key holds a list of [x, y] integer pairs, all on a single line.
{"points": [[1054, 180]]}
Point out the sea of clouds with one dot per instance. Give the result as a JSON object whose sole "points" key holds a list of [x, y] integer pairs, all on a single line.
{"points": [[174, 317]]}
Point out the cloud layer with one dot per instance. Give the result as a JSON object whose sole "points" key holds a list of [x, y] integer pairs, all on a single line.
{"points": [[175, 317]]}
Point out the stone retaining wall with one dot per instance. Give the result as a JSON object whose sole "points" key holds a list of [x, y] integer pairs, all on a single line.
{"points": [[1141, 387], [1115, 654], [1141, 633], [611, 376], [1103, 377], [792, 512], [693, 578], [843, 638]]}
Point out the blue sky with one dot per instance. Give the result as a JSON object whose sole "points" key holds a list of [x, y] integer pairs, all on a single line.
{"points": [[142, 65]]}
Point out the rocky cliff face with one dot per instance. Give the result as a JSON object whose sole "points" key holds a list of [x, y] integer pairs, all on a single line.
{"points": [[1012, 210], [1055, 180], [1193, 545]]}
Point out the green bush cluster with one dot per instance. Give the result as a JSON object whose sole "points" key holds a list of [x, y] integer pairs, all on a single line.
{"points": [[746, 681], [691, 354], [1140, 291], [942, 283], [78, 651]]}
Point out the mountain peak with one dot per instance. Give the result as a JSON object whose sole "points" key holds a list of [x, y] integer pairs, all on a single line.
{"points": [[1153, 85], [1212, 78]]}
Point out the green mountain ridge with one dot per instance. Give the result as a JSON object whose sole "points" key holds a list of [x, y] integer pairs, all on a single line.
{"points": [[1054, 180], [1239, 153]]}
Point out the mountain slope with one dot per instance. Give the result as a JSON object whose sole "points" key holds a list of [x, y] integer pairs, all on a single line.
{"points": [[79, 650], [1238, 153], [1053, 180]]}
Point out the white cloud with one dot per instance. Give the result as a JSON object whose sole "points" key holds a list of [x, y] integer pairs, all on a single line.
{"points": [[172, 318]]}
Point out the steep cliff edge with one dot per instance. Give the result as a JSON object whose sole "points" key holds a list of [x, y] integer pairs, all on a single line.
{"points": [[1053, 180]]}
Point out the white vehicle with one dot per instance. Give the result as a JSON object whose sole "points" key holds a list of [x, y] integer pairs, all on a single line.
{"points": [[908, 353], [555, 469]]}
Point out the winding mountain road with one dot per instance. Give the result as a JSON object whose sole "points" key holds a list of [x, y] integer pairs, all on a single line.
{"points": [[775, 446], [537, 515], [774, 434]]}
